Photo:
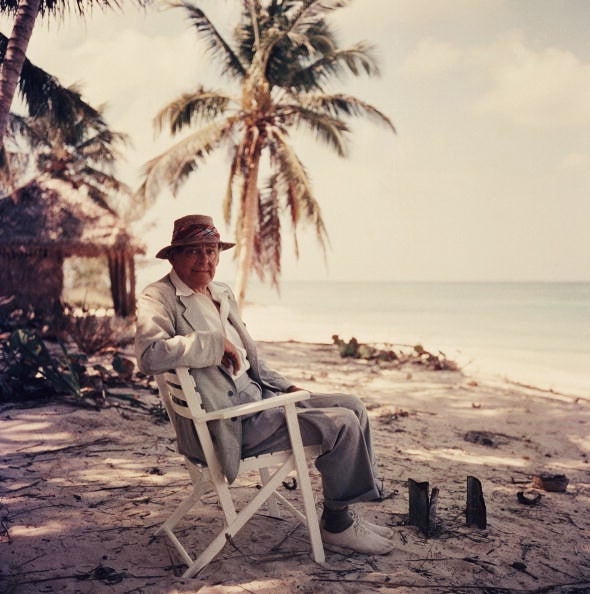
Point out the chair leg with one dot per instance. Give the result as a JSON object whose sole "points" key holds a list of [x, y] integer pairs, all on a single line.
{"points": [[272, 503], [179, 512], [234, 525], [313, 526]]}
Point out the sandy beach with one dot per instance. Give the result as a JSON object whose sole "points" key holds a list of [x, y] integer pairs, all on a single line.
{"points": [[83, 491]]}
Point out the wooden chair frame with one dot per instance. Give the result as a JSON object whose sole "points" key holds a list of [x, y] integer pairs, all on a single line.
{"points": [[179, 395]]}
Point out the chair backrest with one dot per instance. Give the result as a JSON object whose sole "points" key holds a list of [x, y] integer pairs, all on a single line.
{"points": [[179, 393]]}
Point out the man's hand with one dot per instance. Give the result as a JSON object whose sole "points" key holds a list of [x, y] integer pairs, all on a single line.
{"points": [[231, 358]]}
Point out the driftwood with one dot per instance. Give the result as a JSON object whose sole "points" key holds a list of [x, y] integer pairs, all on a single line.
{"points": [[476, 506], [422, 506], [551, 482]]}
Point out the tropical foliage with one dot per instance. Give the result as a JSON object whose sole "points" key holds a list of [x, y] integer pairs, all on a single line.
{"points": [[25, 14], [283, 55], [81, 150], [62, 137]]}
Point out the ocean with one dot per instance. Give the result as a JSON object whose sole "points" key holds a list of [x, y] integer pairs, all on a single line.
{"points": [[531, 333]]}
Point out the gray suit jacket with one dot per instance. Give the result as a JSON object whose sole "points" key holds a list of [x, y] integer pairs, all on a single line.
{"points": [[170, 334]]}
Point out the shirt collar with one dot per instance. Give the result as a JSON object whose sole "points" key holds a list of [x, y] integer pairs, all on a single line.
{"points": [[182, 289], [218, 292]]}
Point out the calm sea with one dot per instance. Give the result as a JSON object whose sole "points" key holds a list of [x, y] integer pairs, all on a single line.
{"points": [[533, 333]]}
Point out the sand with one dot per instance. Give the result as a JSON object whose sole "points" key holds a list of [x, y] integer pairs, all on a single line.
{"points": [[83, 490]]}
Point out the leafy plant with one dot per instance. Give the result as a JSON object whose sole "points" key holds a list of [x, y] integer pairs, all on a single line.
{"points": [[91, 333], [27, 366]]}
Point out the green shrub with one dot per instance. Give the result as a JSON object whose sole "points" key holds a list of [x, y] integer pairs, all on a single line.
{"points": [[28, 368]]}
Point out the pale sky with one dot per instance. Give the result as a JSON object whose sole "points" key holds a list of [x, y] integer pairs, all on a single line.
{"points": [[487, 179]]}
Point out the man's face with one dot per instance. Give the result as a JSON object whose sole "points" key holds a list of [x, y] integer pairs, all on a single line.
{"points": [[196, 264]]}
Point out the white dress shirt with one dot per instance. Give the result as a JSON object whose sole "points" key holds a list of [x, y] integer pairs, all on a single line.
{"points": [[217, 320]]}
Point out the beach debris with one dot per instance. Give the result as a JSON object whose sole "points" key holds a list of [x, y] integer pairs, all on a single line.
{"points": [[386, 354], [475, 511], [388, 416], [529, 497], [104, 574], [487, 438], [438, 362], [519, 566], [423, 506], [551, 482]]}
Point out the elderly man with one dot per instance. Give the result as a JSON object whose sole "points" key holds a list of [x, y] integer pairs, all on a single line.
{"points": [[187, 320]]}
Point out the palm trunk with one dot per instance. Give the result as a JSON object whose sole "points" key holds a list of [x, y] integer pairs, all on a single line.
{"points": [[11, 67], [248, 233]]}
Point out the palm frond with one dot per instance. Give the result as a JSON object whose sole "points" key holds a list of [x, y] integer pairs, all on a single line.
{"points": [[100, 197], [312, 12], [329, 129], [231, 180], [189, 108], [292, 179], [339, 105], [109, 183], [19, 130], [61, 8], [355, 60], [217, 46], [98, 150], [44, 96], [267, 240], [172, 167]]}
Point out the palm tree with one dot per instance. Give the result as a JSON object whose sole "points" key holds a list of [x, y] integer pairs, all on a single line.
{"points": [[25, 15], [81, 152], [60, 126], [284, 52], [26, 12]]}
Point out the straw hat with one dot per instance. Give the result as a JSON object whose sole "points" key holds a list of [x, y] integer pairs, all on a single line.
{"points": [[193, 230]]}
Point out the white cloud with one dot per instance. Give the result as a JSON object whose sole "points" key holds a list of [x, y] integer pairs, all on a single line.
{"points": [[432, 57], [538, 88]]}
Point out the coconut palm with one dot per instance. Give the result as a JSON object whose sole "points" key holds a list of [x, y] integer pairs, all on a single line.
{"points": [[44, 95], [64, 118], [82, 152], [283, 54], [25, 14]]}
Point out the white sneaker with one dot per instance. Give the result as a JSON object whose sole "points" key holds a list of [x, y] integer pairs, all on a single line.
{"points": [[383, 531], [358, 538]]}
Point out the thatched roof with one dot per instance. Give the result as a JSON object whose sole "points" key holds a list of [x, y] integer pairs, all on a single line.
{"points": [[53, 216]]}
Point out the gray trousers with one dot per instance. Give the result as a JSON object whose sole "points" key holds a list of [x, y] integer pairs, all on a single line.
{"points": [[340, 425]]}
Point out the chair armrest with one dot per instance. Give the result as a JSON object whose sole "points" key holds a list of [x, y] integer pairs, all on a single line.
{"points": [[253, 407]]}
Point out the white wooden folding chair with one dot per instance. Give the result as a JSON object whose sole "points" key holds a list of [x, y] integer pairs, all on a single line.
{"points": [[179, 394]]}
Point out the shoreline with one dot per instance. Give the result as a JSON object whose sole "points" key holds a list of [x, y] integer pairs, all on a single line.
{"points": [[547, 380], [527, 333]]}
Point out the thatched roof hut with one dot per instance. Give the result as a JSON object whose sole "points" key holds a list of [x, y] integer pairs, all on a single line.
{"points": [[45, 222]]}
